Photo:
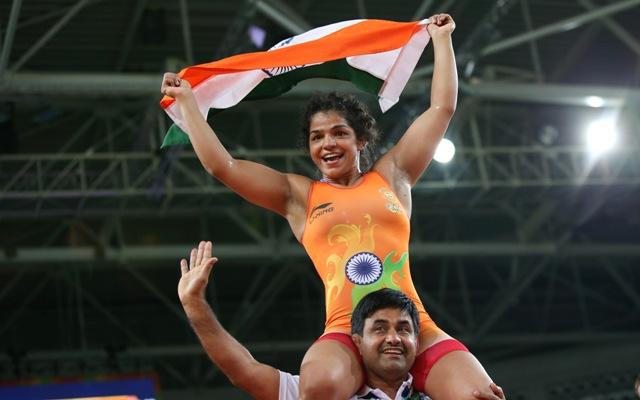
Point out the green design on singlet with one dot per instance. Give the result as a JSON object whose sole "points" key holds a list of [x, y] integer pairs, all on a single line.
{"points": [[387, 280]]}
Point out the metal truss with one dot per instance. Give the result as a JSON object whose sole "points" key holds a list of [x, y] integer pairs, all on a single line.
{"points": [[503, 309], [108, 182], [506, 251]]}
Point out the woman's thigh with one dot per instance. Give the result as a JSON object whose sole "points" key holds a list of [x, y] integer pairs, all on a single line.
{"points": [[330, 370]]}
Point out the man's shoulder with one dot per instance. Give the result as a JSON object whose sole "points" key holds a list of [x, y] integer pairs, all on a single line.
{"points": [[289, 386], [368, 393]]}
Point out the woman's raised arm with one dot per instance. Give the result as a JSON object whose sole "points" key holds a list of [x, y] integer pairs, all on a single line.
{"points": [[255, 182], [413, 152]]}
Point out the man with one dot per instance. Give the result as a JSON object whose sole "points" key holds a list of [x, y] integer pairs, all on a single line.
{"points": [[384, 331]]}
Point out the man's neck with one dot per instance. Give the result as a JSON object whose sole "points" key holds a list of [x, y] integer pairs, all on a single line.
{"points": [[388, 385]]}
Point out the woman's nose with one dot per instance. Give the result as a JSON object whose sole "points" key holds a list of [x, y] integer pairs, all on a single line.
{"points": [[329, 140]]}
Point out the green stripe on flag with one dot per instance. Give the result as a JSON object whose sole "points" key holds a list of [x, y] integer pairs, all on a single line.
{"points": [[277, 85]]}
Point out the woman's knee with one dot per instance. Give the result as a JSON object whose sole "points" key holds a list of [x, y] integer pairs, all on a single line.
{"points": [[324, 383]]}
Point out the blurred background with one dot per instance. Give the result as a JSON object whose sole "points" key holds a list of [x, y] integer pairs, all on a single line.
{"points": [[525, 244]]}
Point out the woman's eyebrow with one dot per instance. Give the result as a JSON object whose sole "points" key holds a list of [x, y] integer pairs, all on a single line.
{"points": [[332, 128]]}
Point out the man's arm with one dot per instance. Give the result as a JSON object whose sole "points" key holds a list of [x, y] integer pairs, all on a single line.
{"points": [[260, 380]]}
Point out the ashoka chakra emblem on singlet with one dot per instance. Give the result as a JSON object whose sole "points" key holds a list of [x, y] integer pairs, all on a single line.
{"points": [[363, 268]]}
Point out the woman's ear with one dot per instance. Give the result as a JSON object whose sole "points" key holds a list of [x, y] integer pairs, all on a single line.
{"points": [[361, 144]]}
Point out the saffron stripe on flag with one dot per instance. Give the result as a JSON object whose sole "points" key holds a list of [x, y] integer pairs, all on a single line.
{"points": [[279, 84], [366, 52]]}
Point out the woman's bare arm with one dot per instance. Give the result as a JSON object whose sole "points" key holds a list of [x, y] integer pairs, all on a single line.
{"points": [[409, 158], [255, 182]]}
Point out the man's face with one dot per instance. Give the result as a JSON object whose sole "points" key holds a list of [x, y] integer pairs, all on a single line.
{"points": [[388, 344]]}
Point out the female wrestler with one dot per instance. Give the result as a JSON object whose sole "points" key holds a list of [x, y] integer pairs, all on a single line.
{"points": [[354, 226]]}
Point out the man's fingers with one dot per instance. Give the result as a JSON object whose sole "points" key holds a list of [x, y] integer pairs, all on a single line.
{"points": [[184, 267], [209, 264], [208, 249], [192, 258], [200, 254], [497, 390], [484, 396], [497, 394]]}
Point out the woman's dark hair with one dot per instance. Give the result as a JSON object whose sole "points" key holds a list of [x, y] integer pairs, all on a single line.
{"points": [[353, 111], [381, 299]]}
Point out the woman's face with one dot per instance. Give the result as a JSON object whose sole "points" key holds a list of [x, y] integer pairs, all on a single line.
{"points": [[333, 145]]}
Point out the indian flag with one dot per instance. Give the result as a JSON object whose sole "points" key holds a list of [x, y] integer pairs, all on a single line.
{"points": [[377, 56]]}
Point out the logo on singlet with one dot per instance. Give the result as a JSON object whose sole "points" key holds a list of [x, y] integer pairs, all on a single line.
{"points": [[363, 268], [320, 210]]}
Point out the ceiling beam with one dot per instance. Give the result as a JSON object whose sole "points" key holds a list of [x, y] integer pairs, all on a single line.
{"points": [[66, 255], [9, 34], [284, 16], [143, 85], [627, 38], [560, 26], [572, 95], [186, 31], [53, 30], [622, 339]]}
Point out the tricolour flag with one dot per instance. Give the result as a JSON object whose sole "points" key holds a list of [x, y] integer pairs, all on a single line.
{"points": [[377, 56]]}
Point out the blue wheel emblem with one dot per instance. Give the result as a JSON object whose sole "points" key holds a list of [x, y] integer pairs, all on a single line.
{"points": [[363, 268]]}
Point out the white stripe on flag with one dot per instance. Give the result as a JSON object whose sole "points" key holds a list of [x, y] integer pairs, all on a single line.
{"points": [[316, 33], [402, 69]]}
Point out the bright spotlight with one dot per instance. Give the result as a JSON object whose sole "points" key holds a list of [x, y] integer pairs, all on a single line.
{"points": [[444, 151], [594, 101], [602, 135]]}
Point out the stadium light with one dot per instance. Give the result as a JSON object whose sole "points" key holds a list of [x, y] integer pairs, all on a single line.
{"points": [[444, 151], [602, 135], [594, 101]]}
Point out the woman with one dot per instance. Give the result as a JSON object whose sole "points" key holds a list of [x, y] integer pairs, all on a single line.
{"points": [[354, 226]]}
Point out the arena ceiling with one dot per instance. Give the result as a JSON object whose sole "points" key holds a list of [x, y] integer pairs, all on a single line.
{"points": [[525, 246]]}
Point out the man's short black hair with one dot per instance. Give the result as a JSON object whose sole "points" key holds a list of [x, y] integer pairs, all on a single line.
{"points": [[381, 299]]}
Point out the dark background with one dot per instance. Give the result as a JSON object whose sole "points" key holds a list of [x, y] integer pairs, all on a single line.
{"points": [[525, 247]]}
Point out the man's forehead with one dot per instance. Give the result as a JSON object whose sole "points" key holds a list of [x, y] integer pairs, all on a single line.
{"points": [[388, 314]]}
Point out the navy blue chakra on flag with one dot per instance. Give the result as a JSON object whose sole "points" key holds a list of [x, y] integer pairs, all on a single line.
{"points": [[363, 268]]}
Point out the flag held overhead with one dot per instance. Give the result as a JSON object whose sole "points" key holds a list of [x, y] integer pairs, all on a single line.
{"points": [[377, 56]]}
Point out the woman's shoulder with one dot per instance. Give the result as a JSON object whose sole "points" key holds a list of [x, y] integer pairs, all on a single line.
{"points": [[299, 185], [386, 174], [297, 179]]}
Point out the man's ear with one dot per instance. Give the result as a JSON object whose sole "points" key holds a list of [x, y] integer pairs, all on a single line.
{"points": [[357, 340]]}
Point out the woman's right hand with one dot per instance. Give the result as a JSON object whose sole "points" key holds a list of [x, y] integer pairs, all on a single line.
{"points": [[175, 87]]}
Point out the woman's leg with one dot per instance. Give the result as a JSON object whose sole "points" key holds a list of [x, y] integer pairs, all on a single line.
{"points": [[454, 373], [330, 370]]}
